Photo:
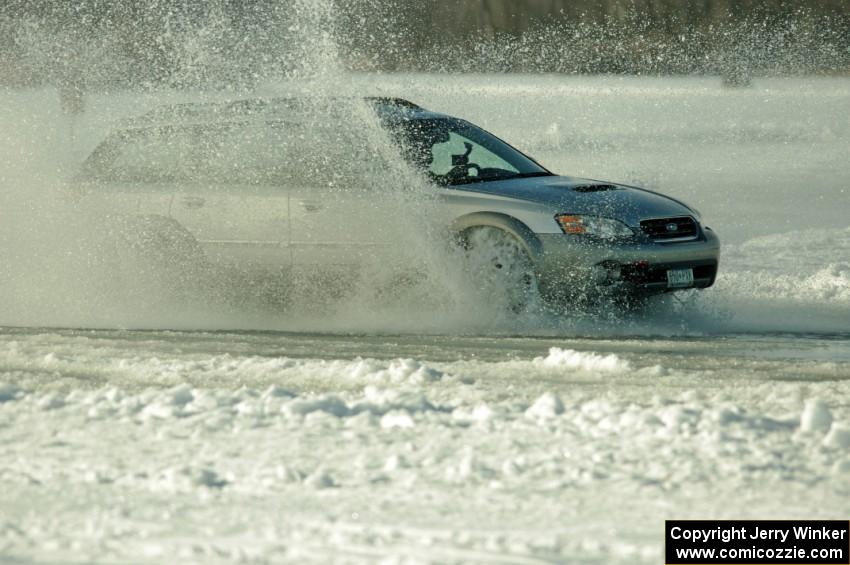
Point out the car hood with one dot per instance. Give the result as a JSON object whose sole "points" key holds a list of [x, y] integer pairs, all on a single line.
{"points": [[585, 196]]}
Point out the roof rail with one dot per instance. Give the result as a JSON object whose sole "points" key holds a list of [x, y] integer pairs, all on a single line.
{"points": [[393, 102], [246, 108], [189, 110]]}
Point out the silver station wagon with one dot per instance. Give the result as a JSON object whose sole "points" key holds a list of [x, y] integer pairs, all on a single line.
{"points": [[255, 183]]}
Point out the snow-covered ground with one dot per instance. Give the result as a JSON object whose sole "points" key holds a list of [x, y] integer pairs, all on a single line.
{"points": [[432, 435], [125, 446]]}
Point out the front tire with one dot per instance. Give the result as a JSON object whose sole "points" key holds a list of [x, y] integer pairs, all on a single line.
{"points": [[500, 267]]}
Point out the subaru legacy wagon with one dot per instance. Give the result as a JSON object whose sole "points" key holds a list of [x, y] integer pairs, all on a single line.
{"points": [[233, 183]]}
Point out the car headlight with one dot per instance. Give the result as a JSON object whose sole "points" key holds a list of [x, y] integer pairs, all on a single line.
{"points": [[603, 228]]}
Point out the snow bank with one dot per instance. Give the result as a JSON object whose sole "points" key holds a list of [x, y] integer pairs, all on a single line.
{"points": [[410, 439], [582, 361]]}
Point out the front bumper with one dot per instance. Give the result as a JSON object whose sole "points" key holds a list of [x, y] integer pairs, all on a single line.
{"points": [[568, 264]]}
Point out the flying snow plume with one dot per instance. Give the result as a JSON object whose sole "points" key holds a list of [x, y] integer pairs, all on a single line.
{"points": [[73, 258]]}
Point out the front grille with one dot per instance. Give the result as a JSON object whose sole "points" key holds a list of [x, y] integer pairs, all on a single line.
{"points": [[679, 228]]}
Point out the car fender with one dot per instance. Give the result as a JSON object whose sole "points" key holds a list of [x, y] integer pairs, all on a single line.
{"points": [[504, 222]]}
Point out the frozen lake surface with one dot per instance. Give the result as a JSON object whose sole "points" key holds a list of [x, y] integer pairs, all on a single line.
{"points": [[427, 435]]}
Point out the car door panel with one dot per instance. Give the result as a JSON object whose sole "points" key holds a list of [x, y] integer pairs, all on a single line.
{"points": [[233, 202], [237, 224]]}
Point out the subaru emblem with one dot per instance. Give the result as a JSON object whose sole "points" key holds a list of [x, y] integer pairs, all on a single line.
{"points": [[672, 227]]}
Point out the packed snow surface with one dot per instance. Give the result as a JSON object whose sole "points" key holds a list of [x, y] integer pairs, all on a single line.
{"points": [[427, 432], [223, 446]]}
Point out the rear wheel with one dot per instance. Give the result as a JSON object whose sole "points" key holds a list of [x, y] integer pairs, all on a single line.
{"points": [[500, 267], [156, 259]]}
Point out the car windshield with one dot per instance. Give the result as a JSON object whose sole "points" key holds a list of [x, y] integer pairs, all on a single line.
{"points": [[454, 152]]}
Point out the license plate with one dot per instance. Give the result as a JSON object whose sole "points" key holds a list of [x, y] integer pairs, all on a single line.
{"points": [[680, 278]]}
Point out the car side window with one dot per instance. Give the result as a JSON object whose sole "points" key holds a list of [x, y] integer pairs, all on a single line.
{"points": [[283, 153], [481, 156], [335, 158], [145, 156], [242, 154]]}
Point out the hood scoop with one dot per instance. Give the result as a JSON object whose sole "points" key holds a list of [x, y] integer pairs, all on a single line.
{"points": [[594, 188]]}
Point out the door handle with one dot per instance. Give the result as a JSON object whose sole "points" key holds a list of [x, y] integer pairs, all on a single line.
{"points": [[311, 205], [193, 202]]}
